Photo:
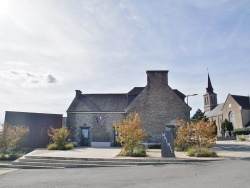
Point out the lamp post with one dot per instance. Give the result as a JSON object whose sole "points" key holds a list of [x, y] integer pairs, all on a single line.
{"points": [[190, 96], [187, 104]]}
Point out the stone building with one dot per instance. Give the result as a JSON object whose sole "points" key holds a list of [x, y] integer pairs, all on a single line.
{"points": [[91, 116], [235, 109]]}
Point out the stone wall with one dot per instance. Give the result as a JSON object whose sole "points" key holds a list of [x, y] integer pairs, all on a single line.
{"points": [[157, 104], [232, 105], [100, 125], [218, 121]]}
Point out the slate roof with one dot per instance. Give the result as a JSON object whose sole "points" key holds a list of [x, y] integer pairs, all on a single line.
{"points": [[247, 125], [136, 91], [216, 111], [180, 94], [243, 101], [99, 103], [209, 88], [107, 102]]}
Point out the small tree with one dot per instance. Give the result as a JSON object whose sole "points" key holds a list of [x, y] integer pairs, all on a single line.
{"points": [[198, 116], [196, 134], [226, 125], [13, 136], [130, 132], [59, 137]]}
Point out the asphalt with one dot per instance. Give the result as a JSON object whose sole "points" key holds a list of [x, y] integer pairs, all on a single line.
{"points": [[224, 149]]}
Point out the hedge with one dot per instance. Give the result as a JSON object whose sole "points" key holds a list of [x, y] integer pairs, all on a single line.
{"points": [[241, 131]]}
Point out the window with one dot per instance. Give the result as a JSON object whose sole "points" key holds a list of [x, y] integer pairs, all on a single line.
{"points": [[231, 117]]}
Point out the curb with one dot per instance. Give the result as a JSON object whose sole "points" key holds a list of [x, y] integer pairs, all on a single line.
{"points": [[62, 162]]}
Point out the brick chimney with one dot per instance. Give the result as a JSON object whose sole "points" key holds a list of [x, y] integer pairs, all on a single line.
{"points": [[78, 93], [157, 78]]}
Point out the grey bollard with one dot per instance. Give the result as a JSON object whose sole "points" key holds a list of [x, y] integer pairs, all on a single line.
{"points": [[167, 144]]}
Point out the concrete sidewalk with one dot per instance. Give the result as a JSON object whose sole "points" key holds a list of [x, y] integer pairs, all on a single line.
{"points": [[224, 149], [111, 153]]}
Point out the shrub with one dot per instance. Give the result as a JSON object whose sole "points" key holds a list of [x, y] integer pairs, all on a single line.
{"points": [[203, 152], [123, 153], [241, 131], [69, 146], [241, 138], [59, 137], [195, 134], [130, 132], [52, 147], [11, 155], [191, 152], [13, 136], [139, 151], [226, 125]]}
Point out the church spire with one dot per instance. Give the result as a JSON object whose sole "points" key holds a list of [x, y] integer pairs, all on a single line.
{"points": [[209, 88], [210, 98]]}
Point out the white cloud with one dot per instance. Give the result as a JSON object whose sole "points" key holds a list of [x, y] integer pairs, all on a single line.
{"points": [[23, 78], [106, 46]]}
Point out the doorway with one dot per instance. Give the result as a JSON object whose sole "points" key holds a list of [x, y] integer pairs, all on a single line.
{"points": [[84, 136]]}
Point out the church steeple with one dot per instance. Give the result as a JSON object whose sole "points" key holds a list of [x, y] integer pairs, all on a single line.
{"points": [[209, 88], [210, 98]]}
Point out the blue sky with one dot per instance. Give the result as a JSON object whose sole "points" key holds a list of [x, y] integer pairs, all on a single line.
{"points": [[49, 48]]}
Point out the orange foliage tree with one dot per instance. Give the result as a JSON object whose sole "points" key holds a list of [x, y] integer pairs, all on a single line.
{"points": [[59, 136], [130, 132], [195, 134], [13, 136]]}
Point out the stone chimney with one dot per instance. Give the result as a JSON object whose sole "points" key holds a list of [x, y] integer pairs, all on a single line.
{"points": [[78, 93], [157, 78]]}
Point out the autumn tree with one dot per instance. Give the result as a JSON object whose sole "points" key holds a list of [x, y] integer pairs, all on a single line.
{"points": [[130, 132], [59, 137], [13, 136], [196, 134]]}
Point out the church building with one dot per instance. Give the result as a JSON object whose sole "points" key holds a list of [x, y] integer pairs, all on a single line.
{"points": [[90, 117], [236, 109]]}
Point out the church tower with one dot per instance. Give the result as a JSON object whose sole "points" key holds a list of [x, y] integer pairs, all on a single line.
{"points": [[210, 98]]}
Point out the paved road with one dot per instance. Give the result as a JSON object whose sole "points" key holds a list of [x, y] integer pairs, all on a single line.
{"points": [[227, 173], [233, 149]]}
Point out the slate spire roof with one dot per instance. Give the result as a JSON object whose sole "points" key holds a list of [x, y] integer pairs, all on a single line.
{"points": [[209, 88]]}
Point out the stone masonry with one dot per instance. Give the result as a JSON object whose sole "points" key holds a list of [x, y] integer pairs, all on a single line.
{"points": [[157, 104]]}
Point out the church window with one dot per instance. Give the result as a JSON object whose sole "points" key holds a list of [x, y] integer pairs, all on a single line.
{"points": [[231, 117]]}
